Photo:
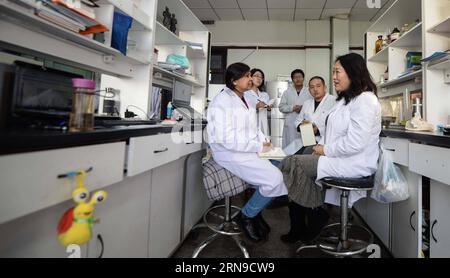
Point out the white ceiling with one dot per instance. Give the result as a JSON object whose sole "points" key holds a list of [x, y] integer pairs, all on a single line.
{"points": [[286, 10]]}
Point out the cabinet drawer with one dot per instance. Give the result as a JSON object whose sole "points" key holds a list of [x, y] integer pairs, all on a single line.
{"points": [[192, 142], [399, 149], [429, 161], [148, 152], [29, 181]]}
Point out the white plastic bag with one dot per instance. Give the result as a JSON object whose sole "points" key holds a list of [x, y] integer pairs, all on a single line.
{"points": [[390, 183]]}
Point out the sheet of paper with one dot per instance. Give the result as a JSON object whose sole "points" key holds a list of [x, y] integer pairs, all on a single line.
{"points": [[307, 134], [275, 154]]}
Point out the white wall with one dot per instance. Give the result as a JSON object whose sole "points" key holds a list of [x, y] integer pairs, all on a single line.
{"points": [[262, 33], [357, 31], [271, 61], [284, 34]]}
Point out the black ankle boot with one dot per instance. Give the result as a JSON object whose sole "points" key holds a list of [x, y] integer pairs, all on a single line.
{"points": [[317, 218], [263, 225], [297, 232], [249, 227]]}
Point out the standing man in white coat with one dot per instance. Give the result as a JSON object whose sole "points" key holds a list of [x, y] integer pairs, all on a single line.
{"points": [[235, 141], [348, 149], [291, 104], [316, 110]]}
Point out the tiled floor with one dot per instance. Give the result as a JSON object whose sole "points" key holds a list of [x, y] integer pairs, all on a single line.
{"points": [[273, 247]]}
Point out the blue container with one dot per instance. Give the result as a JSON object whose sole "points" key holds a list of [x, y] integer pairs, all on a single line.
{"points": [[121, 25]]}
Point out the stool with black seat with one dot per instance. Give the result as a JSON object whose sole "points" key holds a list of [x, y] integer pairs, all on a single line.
{"points": [[220, 184], [334, 238]]}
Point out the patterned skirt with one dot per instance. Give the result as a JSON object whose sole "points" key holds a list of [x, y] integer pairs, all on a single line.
{"points": [[299, 174]]}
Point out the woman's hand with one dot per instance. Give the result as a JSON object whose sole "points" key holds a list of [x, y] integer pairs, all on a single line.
{"points": [[318, 150], [260, 105], [267, 147], [269, 107]]}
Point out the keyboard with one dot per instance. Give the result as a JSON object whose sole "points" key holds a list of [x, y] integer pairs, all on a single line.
{"points": [[126, 122]]}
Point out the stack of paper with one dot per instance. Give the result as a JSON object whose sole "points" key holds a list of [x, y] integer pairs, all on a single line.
{"points": [[59, 19], [69, 17]]}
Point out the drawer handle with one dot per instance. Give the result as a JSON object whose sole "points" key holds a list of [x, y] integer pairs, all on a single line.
{"points": [[190, 143], [391, 150], [432, 231], [410, 220], [161, 151], [73, 174], [99, 237]]}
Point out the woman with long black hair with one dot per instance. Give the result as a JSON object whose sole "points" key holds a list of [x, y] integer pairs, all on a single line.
{"points": [[348, 149]]}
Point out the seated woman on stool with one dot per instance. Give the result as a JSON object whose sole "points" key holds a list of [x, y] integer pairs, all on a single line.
{"points": [[349, 149], [235, 140]]}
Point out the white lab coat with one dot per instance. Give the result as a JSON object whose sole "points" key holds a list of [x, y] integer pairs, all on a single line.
{"points": [[288, 100], [319, 116], [252, 99], [235, 140], [351, 143]]}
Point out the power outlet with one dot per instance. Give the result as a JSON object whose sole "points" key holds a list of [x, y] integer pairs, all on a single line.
{"points": [[447, 76]]}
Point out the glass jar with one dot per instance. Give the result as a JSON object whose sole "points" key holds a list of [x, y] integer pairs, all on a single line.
{"points": [[82, 115]]}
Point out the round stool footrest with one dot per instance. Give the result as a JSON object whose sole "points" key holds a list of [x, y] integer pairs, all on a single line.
{"points": [[333, 245], [227, 228]]}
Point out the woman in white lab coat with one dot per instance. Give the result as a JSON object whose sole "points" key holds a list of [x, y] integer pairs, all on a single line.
{"points": [[291, 104], [259, 99], [316, 110], [348, 149], [235, 141]]}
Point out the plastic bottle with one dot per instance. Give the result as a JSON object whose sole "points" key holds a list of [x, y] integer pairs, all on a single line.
{"points": [[169, 110], [82, 115]]}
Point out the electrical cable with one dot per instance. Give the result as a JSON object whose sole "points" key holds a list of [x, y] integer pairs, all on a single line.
{"points": [[140, 109]]}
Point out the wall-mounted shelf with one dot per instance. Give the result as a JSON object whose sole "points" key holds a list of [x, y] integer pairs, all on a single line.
{"points": [[402, 79], [179, 77], [444, 65], [442, 28], [165, 37], [130, 8], [381, 56], [186, 19], [399, 13], [32, 22], [412, 38]]}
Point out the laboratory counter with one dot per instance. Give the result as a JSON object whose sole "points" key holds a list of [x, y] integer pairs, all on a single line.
{"points": [[19, 140], [436, 138]]}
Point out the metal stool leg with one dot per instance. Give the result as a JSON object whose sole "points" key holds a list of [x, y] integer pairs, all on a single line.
{"points": [[340, 244], [227, 227], [239, 242], [205, 243]]}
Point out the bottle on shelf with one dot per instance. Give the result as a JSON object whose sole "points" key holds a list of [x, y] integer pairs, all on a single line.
{"points": [[379, 44], [405, 28], [169, 110], [395, 35]]}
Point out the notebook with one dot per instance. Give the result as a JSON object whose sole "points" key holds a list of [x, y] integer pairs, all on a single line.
{"points": [[275, 154], [307, 134]]}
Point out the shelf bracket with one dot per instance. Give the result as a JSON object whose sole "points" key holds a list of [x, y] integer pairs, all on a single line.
{"points": [[108, 59]]}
